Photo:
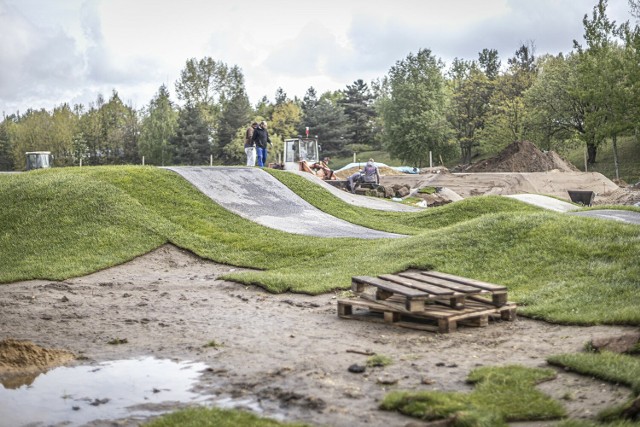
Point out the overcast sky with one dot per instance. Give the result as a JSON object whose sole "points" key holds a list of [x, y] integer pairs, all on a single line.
{"points": [[57, 51]]}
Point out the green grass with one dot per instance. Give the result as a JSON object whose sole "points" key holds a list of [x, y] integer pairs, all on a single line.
{"points": [[501, 394], [628, 158], [400, 222], [379, 360], [68, 222], [588, 423], [607, 366], [212, 417]]}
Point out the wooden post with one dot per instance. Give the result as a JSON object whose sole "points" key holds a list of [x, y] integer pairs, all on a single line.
{"points": [[142, 160], [211, 160]]}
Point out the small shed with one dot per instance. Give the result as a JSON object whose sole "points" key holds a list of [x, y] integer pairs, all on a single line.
{"points": [[39, 159]]}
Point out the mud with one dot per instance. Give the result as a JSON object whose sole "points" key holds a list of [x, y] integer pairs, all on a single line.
{"points": [[285, 356]]}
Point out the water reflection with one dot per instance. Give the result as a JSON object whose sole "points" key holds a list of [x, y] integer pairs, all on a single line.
{"points": [[74, 396]]}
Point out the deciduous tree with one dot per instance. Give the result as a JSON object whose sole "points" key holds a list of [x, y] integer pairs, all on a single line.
{"points": [[415, 115]]}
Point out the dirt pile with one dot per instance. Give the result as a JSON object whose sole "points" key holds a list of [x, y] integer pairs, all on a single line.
{"points": [[621, 196], [384, 170], [18, 356], [523, 156]]}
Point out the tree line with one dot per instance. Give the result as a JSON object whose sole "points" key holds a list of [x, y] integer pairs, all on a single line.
{"points": [[421, 107]]}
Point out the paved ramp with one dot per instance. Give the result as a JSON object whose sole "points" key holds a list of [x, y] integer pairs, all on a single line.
{"points": [[255, 195], [545, 202]]}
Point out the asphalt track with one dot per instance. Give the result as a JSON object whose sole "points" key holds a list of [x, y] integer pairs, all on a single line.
{"points": [[551, 203], [357, 200], [254, 194]]}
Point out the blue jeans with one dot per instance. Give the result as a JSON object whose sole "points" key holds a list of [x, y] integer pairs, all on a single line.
{"points": [[262, 156]]}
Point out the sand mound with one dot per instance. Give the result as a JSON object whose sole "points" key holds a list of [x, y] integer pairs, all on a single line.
{"points": [[621, 196], [523, 156], [384, 170], [18, 355]]}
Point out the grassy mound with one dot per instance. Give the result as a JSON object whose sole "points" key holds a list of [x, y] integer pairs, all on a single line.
{"points": [[62, 223], [214, 417]]}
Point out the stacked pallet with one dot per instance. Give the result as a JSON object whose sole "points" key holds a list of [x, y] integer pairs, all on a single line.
{"points": [[426, 300]]}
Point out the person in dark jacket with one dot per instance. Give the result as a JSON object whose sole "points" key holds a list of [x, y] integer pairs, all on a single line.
{"points": [[261, 139]]}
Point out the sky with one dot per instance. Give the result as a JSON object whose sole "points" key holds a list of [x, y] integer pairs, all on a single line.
{"points": [[70, 51]]}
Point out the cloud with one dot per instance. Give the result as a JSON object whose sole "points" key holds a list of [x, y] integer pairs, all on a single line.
{"points": [[103, 66], [56, 51], [36, 63]]}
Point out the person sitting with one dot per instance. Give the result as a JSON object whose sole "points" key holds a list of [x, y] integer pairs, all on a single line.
{"points": [[323, 168], [370, 175]]}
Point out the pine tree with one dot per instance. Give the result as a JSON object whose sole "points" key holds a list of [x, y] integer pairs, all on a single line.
{"points": [[191, 142]]}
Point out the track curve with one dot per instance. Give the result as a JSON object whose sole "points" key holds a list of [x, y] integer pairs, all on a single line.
{"points": [[255, 195]]}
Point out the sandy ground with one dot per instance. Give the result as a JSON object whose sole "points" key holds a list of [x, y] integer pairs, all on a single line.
{"points": [[287, 354], [546, 183]]}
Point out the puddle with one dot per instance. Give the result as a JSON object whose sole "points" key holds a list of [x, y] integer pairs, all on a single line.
{"points": [[77, 395]]}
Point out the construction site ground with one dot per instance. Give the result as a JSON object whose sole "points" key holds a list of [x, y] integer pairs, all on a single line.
{"points": [[287, 355]]}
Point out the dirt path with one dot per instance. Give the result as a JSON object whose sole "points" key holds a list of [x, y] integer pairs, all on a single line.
{"points": [[285, 354]]}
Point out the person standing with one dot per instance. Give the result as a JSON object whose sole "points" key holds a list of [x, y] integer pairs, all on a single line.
{"points": [[249, 145], [261, 139]]}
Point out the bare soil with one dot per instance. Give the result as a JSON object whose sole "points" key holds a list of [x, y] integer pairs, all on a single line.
{"points": [[289, 354], [523, 156]]}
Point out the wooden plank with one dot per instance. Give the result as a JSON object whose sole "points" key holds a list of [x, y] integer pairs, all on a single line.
{"points": [[414, 305], [458, 287], [497, 300], [411, 304], [381, 294], [457, 302], [396, 304], [344, 309], [418, 326], [426, 287], [466, 281], [508, 314], [392, 313], [434, 312], [391, 316], [390, 287], [478, 322], [446, 326]]}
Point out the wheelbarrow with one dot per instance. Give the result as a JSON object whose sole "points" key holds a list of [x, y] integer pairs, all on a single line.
{"points": [[582, 197]]}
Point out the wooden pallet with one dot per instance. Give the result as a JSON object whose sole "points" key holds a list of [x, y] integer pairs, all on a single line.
{"points": [[418, 287], [427, 300], [435, 318]]}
